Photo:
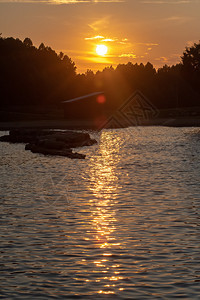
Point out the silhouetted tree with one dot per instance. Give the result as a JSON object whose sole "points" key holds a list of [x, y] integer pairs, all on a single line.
{"points": [[27, 42], [191, 59], [31, 75], [191, 68], [61, 55], [42, 47]]}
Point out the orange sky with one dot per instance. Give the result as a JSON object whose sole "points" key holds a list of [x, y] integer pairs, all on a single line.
{"points": [[133, 30]]}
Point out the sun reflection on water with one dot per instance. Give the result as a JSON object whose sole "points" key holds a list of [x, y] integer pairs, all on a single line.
{"points": [[104, 187]]}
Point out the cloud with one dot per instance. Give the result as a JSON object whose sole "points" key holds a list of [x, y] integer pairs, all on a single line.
{"points": [[57, 2], [100, 24], [129, 55], [162, 59], [170, 60], [106, 39], [109, 40], [177, 19], [169, 1], [147, 44], [101, 38], [97, 37]]}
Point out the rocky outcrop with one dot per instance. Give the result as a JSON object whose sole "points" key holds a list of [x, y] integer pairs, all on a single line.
{"points": [[49, 142], [52, 151]]}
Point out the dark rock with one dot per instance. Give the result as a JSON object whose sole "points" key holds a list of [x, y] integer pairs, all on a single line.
{"points": [[28, 146], [5, 138], [25, 135], [72, 139], [49, 142], [46, 151], [30, 132]]}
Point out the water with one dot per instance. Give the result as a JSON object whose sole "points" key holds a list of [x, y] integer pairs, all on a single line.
{"points": [[121, 224]]}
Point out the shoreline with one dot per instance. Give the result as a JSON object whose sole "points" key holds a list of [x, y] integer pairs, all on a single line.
{"points": [[90, 125]]}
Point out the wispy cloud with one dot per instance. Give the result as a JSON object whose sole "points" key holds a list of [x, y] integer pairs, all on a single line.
{"points": [[129, 55], [147, 44], [163, 59], [169, 1], [177, 19], [97, 37], [109, 40], [60, 1], [100, 24], [101, 38], [171, 59]]}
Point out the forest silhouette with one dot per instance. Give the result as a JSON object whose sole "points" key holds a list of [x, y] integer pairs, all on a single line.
{"points": [[36, 77]]}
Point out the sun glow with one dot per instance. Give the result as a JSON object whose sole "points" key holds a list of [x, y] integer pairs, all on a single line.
{"points": [[101, 50]]}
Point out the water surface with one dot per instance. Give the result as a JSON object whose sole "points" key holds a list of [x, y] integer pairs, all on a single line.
{"points": [[121, 224]]}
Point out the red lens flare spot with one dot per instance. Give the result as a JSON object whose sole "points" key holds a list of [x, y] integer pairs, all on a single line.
{"points": [[101, 99]]}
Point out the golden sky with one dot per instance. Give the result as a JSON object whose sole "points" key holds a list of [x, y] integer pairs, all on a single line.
{"points": [[133, 30]]}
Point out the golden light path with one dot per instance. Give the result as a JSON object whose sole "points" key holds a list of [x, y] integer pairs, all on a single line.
{"points": [[101, 50], [104, 187]]}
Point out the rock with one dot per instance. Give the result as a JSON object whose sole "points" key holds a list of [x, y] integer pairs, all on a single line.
{"points": [[30, 132], [72, 139], [24, 135], [49, 142], [5, 138], [46, 151]]}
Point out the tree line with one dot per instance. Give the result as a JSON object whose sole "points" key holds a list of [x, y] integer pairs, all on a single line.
{"points": [[40, 76]]}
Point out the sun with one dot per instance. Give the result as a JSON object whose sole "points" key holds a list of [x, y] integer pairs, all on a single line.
{"points": [[101, 50]]}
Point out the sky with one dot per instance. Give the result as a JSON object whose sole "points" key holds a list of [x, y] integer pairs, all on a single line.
{"points": [[133, 30]]}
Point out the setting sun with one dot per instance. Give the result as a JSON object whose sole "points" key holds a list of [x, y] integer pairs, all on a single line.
{"points": [[101, 50]]}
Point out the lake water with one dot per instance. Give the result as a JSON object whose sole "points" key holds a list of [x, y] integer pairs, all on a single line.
{"points": [[122, 224]]}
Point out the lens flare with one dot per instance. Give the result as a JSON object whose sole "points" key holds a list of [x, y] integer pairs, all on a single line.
{"points": [[101, 99]]}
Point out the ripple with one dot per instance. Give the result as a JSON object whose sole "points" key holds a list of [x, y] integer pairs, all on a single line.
{"points": [[122, 224]]}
